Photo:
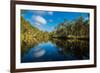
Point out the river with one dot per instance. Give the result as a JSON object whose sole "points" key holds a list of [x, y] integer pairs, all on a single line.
{"points": [[57, 50]]}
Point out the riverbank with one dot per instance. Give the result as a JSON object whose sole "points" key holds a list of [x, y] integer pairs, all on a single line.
{"points": [[72, 37]]}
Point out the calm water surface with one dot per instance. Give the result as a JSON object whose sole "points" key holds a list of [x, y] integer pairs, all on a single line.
{"points": [[56, 50]]}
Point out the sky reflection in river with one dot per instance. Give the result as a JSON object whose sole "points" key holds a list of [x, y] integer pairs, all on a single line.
{"points": [[57, 50]]}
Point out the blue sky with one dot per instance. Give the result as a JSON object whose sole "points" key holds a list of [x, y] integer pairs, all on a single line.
{"points": [[48, 20]]}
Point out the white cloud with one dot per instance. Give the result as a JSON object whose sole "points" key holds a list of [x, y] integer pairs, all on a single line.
{"points": [[40, 12], [37, 23], [43, 12], [50, 13], [39, 20], [86, 18]]}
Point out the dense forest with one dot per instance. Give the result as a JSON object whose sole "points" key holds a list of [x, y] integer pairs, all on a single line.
{"points": [[72, 29], [76, 29]]}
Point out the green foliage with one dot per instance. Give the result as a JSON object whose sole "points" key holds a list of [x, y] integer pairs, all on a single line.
{"points": [[77, 28]]}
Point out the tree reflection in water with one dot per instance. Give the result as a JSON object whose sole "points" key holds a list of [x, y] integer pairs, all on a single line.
{"points": [[73, 47], [68, 49]]}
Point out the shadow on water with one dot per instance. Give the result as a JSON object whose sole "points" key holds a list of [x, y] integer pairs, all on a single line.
{"points": [[55, 50], [77, 48]]}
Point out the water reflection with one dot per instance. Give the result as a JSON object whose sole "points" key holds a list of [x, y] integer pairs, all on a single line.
{"points": [[56, 50], [78, 49], [38, 52]]}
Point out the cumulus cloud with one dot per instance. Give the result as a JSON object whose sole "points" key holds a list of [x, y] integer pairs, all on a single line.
{"points": [[39, 20]]}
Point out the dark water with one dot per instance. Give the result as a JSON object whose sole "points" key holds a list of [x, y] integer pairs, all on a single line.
{"points": [[56, 50]]}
